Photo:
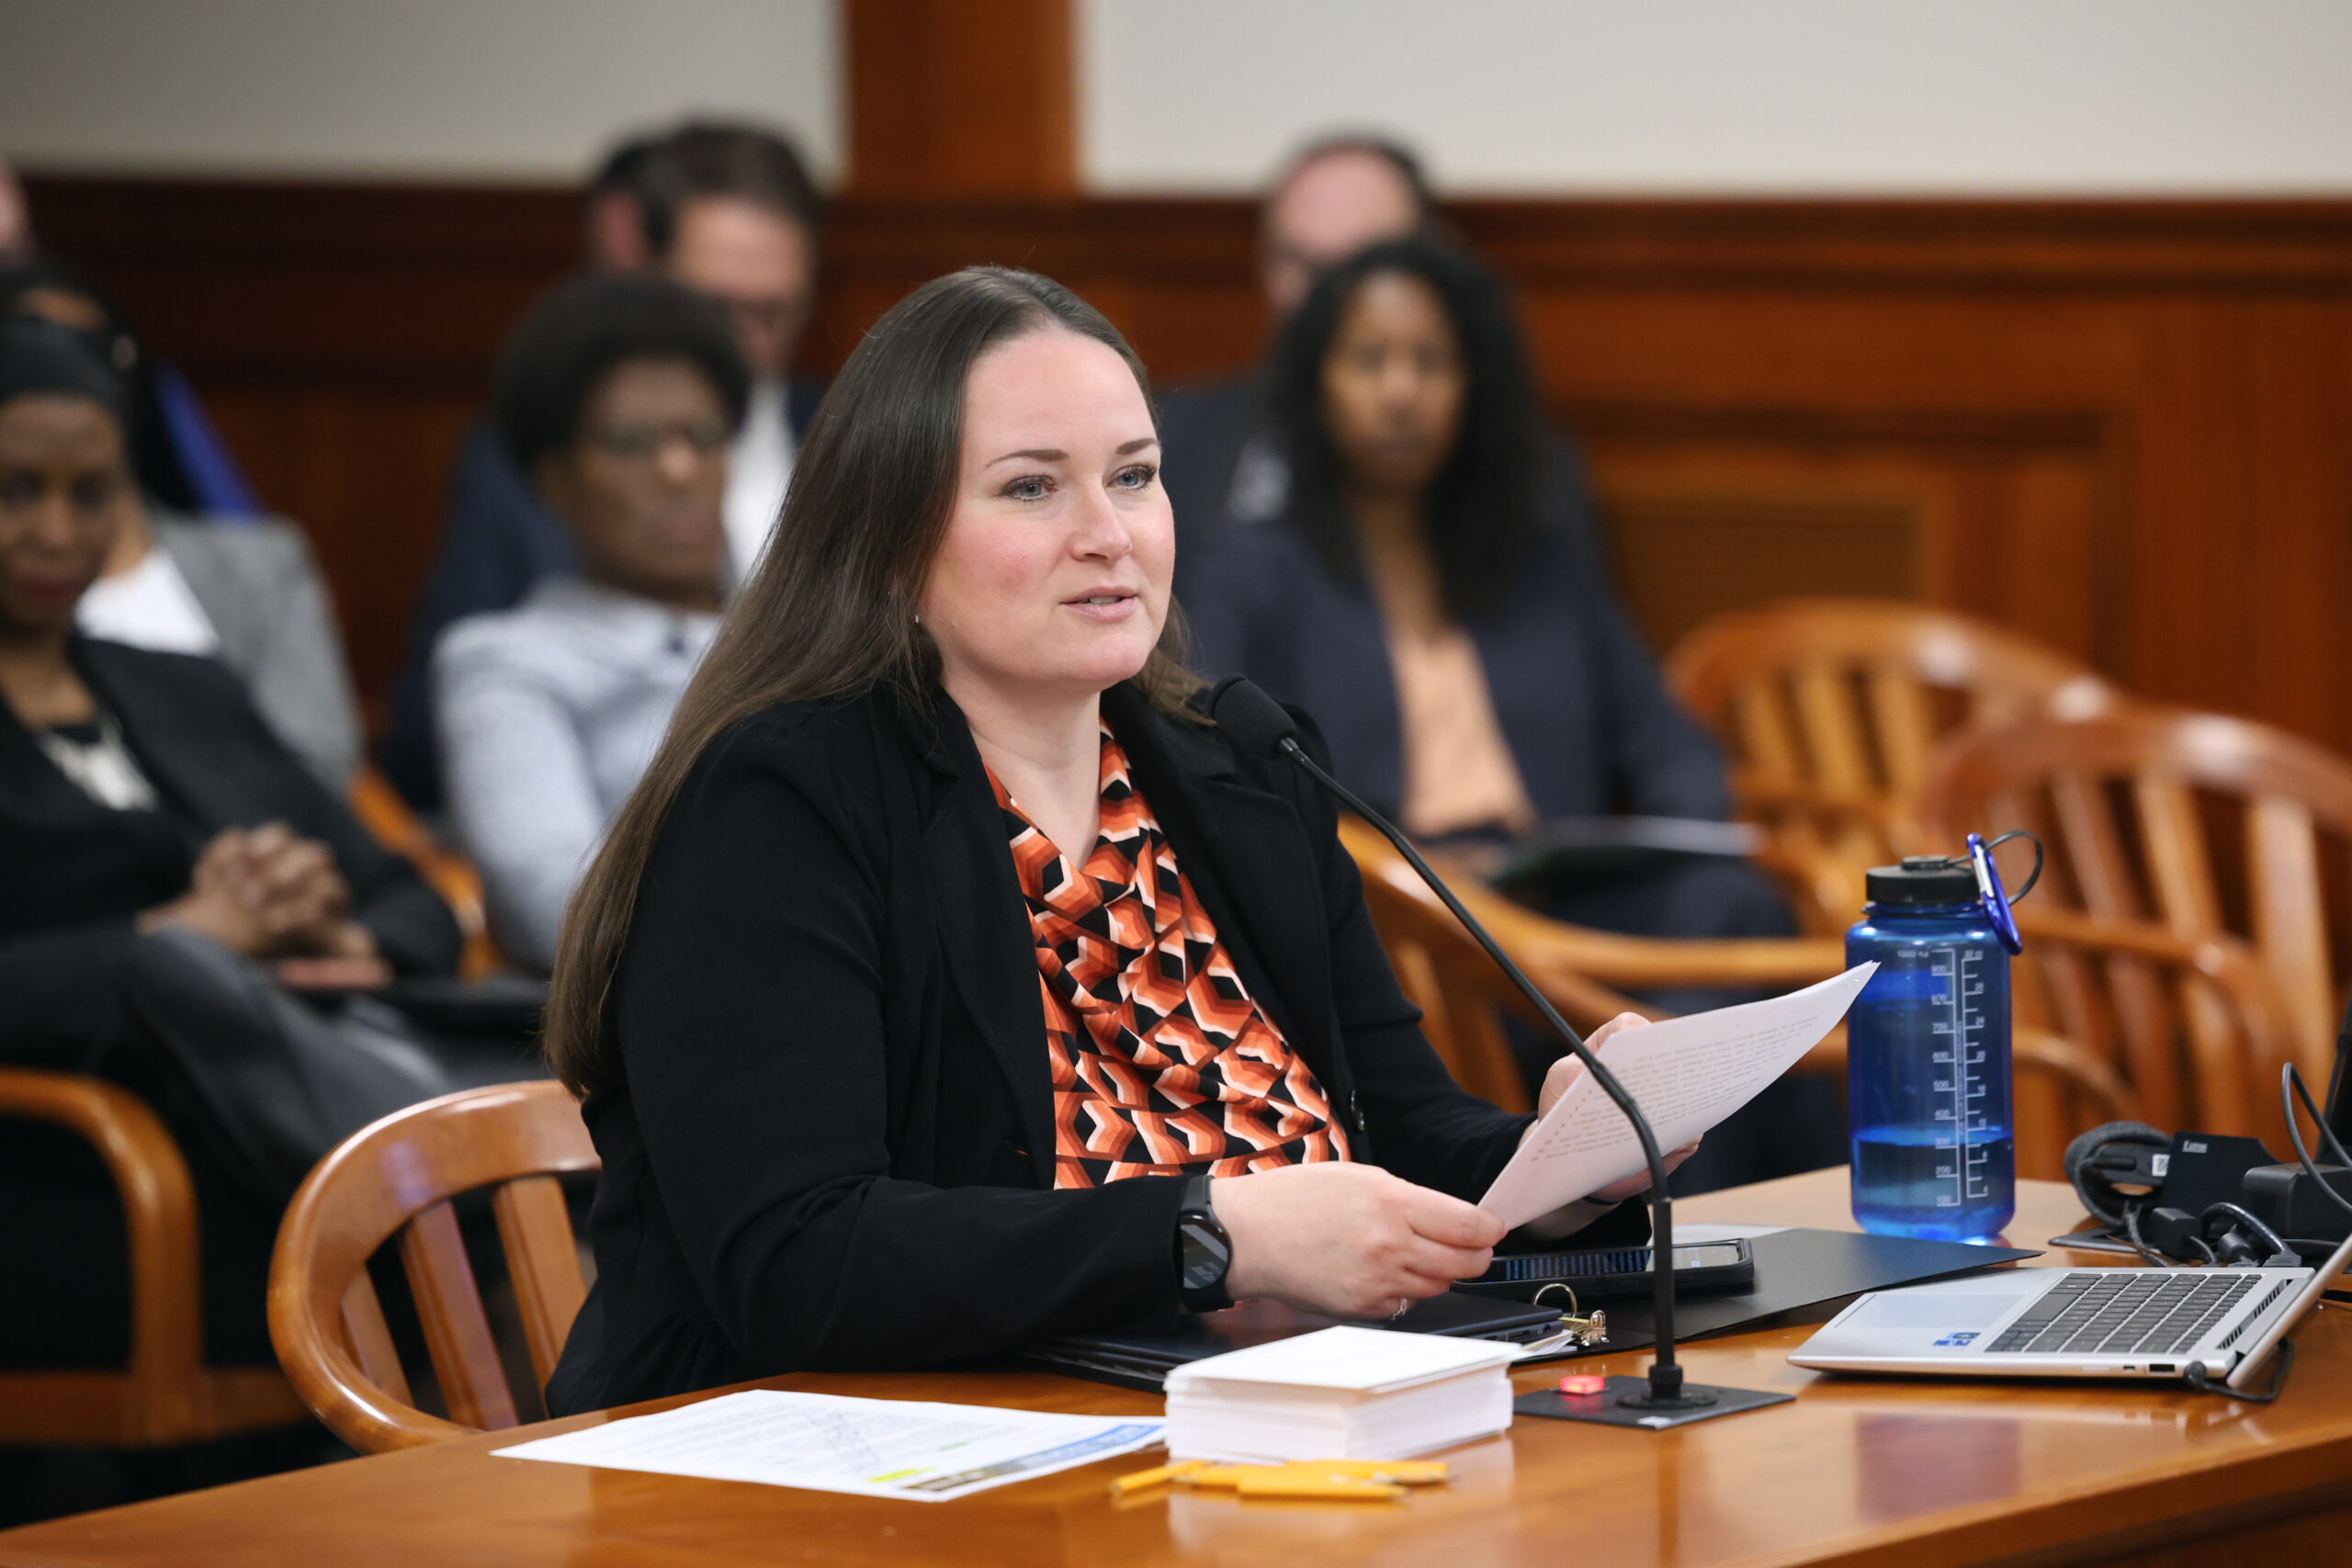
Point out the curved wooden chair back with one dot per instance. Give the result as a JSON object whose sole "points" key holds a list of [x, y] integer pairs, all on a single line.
{"points": [[396, 1178], [387, 816], [1829, 708], [2193, 824], [2178, 1031], [165, 1394], [1584, 974]]}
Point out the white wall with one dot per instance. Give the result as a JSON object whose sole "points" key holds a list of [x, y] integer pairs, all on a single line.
{"points": [[480, 89], [2237, 97], [2104, 96]]}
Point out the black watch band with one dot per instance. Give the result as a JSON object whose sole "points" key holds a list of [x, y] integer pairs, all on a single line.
{"points": [[1204, 1252]]}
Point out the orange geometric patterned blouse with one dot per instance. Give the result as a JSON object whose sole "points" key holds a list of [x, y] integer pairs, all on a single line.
{"points": [[1162, 1066]]}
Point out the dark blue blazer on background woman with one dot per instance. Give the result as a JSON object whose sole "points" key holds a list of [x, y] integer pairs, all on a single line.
{"points": [[1579, 697]]}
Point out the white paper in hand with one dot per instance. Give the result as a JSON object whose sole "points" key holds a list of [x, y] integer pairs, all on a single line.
{"points": [[1687, 1074]]}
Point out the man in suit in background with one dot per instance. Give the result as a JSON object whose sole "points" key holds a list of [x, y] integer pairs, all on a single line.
{"points": [[729, 210], [731, 213], [1336, 196], [612, 208]]}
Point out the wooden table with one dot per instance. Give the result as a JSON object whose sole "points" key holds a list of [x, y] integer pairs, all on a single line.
{"points": [[1856, 1471]]}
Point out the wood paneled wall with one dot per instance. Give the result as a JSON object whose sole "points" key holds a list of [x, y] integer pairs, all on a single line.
{"points": [[2118, 426], [950, 98]]}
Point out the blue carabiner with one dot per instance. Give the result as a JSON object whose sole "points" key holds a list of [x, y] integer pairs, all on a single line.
{"points": [[1996, 900]]}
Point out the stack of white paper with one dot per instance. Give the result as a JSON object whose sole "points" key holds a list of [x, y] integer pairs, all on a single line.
{"points": [[1340, 1394]]}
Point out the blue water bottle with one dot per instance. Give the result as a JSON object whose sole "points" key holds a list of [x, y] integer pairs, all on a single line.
{"points": [[1927, 1051]]}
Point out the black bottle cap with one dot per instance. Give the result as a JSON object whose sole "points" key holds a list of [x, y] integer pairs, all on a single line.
{"points": [[1922, 879]]}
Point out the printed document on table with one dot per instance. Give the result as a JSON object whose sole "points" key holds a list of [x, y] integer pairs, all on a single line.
{"points": [[876, 1447], [1687, 1074]]}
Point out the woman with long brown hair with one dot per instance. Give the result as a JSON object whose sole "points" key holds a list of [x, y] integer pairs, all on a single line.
{"points": [[949, 983]]}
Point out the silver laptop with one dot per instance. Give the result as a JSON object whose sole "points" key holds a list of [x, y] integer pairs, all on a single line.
{"points": [[2077, 1323]]}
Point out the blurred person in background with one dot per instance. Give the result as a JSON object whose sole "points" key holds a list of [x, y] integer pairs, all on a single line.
{"points": [[614, 209], [1226, 462], [180, 458], [1473, 675], [168, 869], [1334, 198], [247, 591], [618, 395], [730, 210], [16, 224], [1411, 543], [732, 213]]}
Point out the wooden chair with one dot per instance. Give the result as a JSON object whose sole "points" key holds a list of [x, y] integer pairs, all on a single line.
{"points": [[396, 1178], [1463, 997], [1581, 971], [1829, 709], [2192, 824], [165, 1394], [2178, 1031], [384, 814]]}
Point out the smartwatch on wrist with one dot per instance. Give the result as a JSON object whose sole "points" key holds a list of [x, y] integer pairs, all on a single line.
{"points": [[1204, 1252]]}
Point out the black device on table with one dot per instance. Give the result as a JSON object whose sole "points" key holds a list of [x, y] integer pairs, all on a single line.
{"points": [[1604, 1273], [2206, 1198]]}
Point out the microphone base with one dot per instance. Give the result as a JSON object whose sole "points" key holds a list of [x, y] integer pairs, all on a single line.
{"points": [[1626, 1402], [1696, 1396]]}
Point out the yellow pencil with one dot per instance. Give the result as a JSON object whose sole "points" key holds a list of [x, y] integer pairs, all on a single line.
{"points": [[1159, 1476], [1308, 1485], [1227, 1477], [1411, 1472]]}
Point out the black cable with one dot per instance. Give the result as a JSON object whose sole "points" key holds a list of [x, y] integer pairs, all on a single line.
{"points": [[2132, 1235], [2291, 1087], [2281, 1255], [2201, 1381], [2033, 876]]}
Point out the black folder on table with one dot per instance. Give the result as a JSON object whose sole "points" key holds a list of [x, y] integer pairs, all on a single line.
{"points": [[1794, 1269], [1141, 1357], [1798, 1268]]}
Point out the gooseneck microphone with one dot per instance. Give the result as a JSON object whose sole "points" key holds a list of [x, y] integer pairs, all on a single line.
{"points": [[1259, 725]]}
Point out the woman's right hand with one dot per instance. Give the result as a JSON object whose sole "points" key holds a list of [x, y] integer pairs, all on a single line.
{"points": [[261, 893], [214, 904], [1347, 1240]]}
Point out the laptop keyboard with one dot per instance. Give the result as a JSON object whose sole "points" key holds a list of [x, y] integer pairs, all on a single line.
{"points": [[2125, 1312]]}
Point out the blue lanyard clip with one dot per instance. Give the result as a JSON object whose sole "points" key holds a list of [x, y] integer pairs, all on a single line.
{"points": [[1988, 885]]}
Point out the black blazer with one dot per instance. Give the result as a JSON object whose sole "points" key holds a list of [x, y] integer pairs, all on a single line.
{"points": [[835, 1144], [1579, 697], [70, 869]]}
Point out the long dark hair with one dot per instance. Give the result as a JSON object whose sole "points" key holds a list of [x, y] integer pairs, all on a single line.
{"points": [[1481, 506], [830, 610]]}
